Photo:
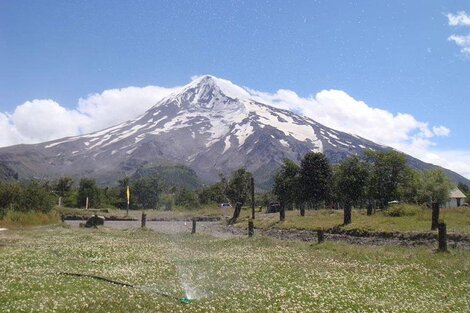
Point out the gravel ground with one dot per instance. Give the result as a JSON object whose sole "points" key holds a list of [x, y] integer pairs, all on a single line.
{"points": [[215, 229]]}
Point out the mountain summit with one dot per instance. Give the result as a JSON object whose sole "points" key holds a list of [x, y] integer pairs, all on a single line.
{"points": [[209, 125]]}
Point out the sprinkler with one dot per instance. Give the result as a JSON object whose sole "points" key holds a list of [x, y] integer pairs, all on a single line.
{"points": [[185, 300]]}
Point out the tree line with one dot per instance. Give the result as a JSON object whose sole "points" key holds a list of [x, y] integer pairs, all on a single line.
{"points": [[374, 181]]}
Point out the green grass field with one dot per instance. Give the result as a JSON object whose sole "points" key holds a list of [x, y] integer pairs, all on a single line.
{"points": [[231, 275], [457, 220]]}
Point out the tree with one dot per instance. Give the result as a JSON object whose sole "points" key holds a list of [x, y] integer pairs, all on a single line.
{"points": [[238, 191], [186, 198], [88, 189], [351, 183], [146, 192], [63, 186], [409, 190], [434, 186], [464, 188], [389, 172], [314, 178], [286, 184], [212, 194]]}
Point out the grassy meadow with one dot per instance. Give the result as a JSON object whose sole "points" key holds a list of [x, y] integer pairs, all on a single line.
{"points": [[457, 220], [221, 275]]}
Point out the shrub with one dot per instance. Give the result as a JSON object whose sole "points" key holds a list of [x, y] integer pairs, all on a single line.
{"points": [[88, 189], [397, 210], [33, 197], [186, 198]]}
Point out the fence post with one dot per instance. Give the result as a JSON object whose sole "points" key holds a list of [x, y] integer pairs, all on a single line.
{"points": [[442, 237], [193, 230], [251, 228], [347, 214], [144, 219], [282, 213], [86, 204], [320, 235]]}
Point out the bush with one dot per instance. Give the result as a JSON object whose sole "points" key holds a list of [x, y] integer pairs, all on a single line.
{"points": [[88, 189], [33, 197], [186, 198], [397, 210]]}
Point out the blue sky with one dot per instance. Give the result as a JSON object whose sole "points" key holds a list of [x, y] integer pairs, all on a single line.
{"points": [[395, 56]]}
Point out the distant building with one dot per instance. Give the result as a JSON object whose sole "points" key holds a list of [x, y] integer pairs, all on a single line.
{"points": [[457, 198]]}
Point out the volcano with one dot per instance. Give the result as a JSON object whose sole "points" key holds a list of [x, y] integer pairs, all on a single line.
{"points": [[210, 125]]}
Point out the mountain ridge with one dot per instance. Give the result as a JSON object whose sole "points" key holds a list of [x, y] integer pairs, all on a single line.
{"points": [[210, 125]]}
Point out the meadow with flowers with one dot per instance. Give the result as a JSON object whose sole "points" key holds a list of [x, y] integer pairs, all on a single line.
{"points": [[256, 274]]}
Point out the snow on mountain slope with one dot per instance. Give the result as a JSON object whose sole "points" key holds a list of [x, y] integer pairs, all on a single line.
{"points": [[210, 125]]}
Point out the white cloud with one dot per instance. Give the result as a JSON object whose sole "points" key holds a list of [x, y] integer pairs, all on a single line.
{"points": [[10, 135], [42, 120], [459, 19], [338, 110], [441, 131], [118, 105], [456, 160], [463, 41]]}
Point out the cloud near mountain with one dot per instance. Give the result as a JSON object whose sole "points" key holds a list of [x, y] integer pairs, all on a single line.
{"points": [[44, 119]]}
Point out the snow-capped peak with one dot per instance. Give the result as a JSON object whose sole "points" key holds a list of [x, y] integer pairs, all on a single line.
{"points": [[226, 87]]}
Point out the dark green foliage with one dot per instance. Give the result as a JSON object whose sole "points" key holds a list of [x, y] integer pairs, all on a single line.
{"points": [[33, 197], [212, 194], [145, 192], [409, 191], [237, 191], [351, 179], [315, 178], [286, 184], [166, 202], [187, 198], [238, 188], [264, 199], [9, 193], [178, 176], [63, 186], [465, 189], [390, 172], [88, 188]]}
